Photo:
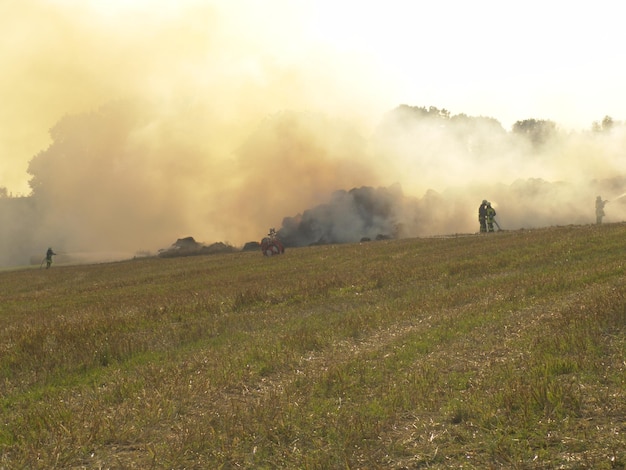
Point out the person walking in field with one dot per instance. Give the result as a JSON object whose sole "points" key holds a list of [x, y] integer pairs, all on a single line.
{"points": [[490, 214], [600, 209], [49, 255], [482, 216]]}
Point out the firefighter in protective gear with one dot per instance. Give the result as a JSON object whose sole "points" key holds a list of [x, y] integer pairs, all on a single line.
{"points": [[49, 255], [600, 209], [482, 216], [271, 245], [491, 213]]}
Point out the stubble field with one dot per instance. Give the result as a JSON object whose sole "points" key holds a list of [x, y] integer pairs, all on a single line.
{"points": [[505, 350]]}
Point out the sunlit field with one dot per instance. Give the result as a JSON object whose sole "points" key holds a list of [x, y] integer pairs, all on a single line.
{"points": [[502, 350]]}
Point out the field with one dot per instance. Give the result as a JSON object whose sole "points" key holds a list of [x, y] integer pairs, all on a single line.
{"points": [[504, 350]]}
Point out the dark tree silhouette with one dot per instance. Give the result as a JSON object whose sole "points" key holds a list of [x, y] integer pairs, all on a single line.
{"points": [[84, 151], [605, 126], [538, 131]]}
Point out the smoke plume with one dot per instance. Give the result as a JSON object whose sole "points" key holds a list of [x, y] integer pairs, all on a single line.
{"points": [[133, 127]]}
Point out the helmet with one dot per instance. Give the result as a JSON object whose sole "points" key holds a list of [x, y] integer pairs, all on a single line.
{"points": [[484, 201]]}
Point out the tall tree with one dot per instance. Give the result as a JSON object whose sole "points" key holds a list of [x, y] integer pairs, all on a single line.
{"points": [[537, 131]]}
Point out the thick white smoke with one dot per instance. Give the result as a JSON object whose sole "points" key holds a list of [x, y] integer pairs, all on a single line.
{"points": [[137, 123]]}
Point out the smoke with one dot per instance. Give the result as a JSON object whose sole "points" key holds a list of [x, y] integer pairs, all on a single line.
{"points": [[350, 216], [452, 162], [136, 126], [129, 120], [237, 61]]}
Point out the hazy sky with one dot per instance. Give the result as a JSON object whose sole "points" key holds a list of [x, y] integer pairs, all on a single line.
{"points": [[556, 60]]}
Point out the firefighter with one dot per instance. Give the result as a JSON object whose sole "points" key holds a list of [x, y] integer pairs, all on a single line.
{"points": [[271, 245], [482, 216], [490, 214], [600, 209], [49, 255]]}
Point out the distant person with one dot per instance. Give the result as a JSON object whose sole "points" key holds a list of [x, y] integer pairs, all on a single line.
{"points": [[490, 214], [271, 245], [49, 255], [482, 216], [600, 209]]}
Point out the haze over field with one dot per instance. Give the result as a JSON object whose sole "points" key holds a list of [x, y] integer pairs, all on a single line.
{"points": [[135, 123]]}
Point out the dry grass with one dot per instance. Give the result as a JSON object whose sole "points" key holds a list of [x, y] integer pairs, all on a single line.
{"points": [[504, 350]]}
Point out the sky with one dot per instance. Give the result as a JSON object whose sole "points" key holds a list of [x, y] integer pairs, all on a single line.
{"points": [[258, 110], [556, 60]]}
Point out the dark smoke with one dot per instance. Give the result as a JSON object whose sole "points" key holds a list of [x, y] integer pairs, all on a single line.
{"points": [[350, 216]]}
